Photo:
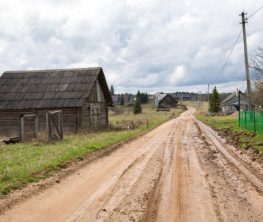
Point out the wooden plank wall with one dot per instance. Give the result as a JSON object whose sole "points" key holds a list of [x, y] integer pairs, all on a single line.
{"points": [[10, 121], [94, 116], [167, 102]]}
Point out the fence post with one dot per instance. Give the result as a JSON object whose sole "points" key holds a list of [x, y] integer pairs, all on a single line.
{"points": [[246, 119], [239, 118]]}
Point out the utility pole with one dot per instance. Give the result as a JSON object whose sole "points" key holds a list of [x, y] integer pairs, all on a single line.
{"points": [[208, 98], [244, 21]]}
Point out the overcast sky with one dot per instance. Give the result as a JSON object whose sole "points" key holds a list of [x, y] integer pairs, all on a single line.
{"points": [[151, 45]]}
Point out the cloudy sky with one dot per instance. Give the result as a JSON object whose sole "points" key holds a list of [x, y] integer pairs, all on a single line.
{"points": [[151, 45]]}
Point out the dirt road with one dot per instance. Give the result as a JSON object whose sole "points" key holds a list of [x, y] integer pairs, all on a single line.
{"points": [[181, 171]]}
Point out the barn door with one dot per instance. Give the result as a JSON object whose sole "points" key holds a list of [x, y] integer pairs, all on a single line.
{"points": [[94, 115], [54, 125]]}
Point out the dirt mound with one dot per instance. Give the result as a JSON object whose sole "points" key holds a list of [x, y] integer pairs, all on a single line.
{"points": [[235, 114]]}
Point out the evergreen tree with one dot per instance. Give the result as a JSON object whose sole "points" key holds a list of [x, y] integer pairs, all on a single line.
{"points": [[137, 106], [214, 101], [138, 95], [144, 98], [112, 90], [122, 100]]}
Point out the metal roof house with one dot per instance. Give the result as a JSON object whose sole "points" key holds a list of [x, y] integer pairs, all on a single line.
{"points": [[82, 95], [228, 104]]}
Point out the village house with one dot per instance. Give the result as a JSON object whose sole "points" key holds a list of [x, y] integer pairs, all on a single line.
{"points": [[164, 101], [82, 95], [229, 104], [115, 100]]}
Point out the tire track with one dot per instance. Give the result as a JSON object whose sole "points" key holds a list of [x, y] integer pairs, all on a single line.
{"points": [[251, 173]]}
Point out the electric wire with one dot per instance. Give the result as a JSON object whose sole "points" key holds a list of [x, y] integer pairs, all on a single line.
{"points": [[254, 13], [230, 54]]}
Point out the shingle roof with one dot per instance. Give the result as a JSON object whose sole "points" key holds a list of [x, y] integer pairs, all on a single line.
{"points": [[167, 95], [49, 88]]}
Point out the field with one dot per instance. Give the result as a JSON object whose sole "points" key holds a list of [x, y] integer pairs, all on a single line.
{"points": [[228, 127], [28, 162]]}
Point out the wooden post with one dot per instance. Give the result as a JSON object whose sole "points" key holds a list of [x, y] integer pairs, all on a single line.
{"points": [[22, 129], [36, 126], [60, 123], [48, 126], [254, 117]]}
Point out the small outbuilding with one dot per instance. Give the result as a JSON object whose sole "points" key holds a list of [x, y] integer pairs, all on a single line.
{"points": [[82, 95], [165, 101]]}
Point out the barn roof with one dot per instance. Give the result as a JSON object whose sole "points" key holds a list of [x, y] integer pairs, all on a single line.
{"points": [[168, 95], [56, 88]]}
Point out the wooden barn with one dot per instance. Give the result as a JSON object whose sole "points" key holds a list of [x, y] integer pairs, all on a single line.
{"points": [[82, 95], [166, 101]]}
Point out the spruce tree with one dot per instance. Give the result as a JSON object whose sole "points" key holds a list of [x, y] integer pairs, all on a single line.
{"points": [[112, 90], [215, 101], [137, 106]]}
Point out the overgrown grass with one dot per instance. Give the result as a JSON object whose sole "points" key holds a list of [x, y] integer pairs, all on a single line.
{"points": [[28, 162], [244, 137]]}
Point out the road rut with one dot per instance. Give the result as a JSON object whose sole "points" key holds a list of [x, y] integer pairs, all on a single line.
{"points": [[180, 171]]}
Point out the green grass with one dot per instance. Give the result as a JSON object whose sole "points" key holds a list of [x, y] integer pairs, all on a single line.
{"points": [[23, 163], [221, 122], [245, 137]]}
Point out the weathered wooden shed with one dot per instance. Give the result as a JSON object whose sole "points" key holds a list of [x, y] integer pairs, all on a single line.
{"points": [[167, 102], [82, 95]]}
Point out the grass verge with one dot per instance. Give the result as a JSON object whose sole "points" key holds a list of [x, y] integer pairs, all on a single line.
{"points": [[227, 126], [24, 163]]}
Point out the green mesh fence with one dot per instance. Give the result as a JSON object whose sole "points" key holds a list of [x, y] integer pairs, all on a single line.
{"points": [[251, 120]]}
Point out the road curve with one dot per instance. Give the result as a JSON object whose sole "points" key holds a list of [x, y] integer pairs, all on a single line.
{"points": [[180, 171]]}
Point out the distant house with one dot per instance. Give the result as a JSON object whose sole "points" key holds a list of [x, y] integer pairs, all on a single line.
{"points": [[228, 104], [184, 96], [115, 100], [157, 97], [131, 101], [165, 101], [82, 95]]}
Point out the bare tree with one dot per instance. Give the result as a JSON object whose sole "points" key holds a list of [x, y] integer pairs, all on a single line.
{"points": [[256, 63]]}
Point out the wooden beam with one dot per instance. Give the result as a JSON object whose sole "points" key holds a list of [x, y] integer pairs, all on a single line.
{"points": [[36, 126], [55, 112], [29, 115], [48, 127], [60, 122], [22, 128]]}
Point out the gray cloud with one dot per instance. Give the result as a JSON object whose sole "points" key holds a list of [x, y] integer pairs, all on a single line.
{"points": [[150, 45]]}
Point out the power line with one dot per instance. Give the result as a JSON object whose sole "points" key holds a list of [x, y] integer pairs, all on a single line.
{"points": [[230, 54], [255, 12]]}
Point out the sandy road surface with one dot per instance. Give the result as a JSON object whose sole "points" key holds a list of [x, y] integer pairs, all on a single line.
{"points": [[181, 171]]}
